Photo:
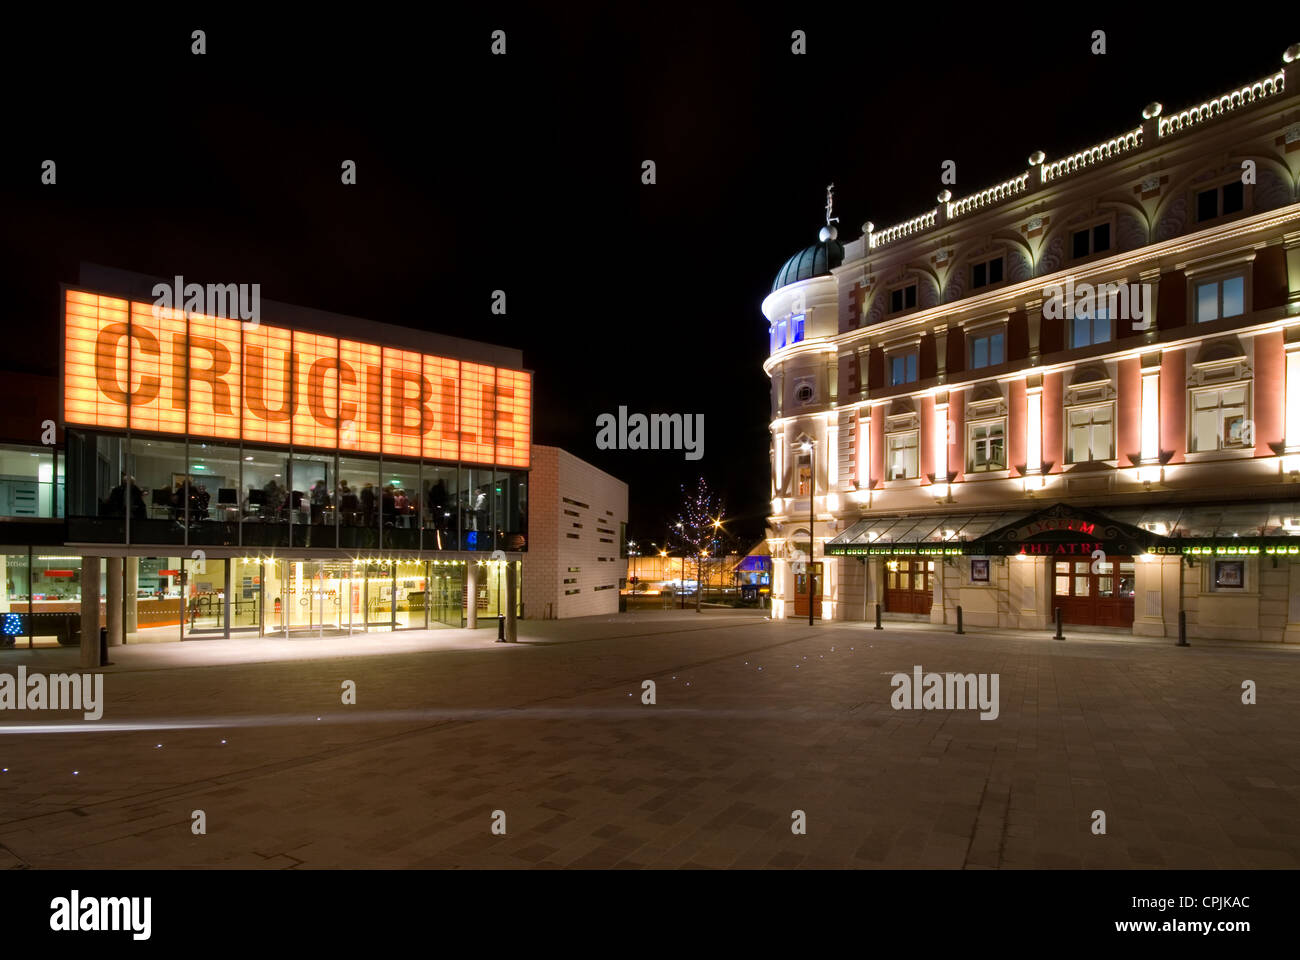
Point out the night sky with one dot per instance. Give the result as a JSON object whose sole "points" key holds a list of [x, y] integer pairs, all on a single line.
{"points": [[523, 173]]}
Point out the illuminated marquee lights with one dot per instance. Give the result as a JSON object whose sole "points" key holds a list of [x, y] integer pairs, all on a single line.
{"points": [[215, 377]]}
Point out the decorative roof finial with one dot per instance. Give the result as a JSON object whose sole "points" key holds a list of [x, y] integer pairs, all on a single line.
{"points": [[829, 232]]}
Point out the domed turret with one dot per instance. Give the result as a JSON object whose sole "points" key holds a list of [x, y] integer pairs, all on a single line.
{"points": [[813, 261]]}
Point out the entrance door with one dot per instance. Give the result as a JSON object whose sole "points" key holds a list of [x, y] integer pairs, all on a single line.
{"points": [[313, 594], [909, 585], [808, 589], [205, 597], [446, 588], [1101, 599]]}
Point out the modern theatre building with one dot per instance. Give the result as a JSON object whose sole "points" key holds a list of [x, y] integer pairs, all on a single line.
{"points": [[302, 473], [1075, 390]]}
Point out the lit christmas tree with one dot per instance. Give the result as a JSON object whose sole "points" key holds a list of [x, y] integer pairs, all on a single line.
{"points": [[700, 525]]}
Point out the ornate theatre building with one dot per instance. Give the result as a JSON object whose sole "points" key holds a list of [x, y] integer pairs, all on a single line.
{"points": [[1078, 389]]}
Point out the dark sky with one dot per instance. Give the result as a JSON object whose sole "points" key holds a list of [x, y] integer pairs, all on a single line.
{"points": [[523, 173]]}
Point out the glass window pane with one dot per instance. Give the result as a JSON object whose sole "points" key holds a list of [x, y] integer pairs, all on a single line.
{"points": [[1081, 586], [1101, 328], [1102, 444], [1207, 205], [1234, 299], [1104, 586], [1205, 430], [160, 471], [358, 501], [1062, 586], [1082, 331], [1234, 195], [399, 504], [980, 352], [1207, 302], [1062, 567], [439, 485], [995, 346], [911, 367], [1081, 566], [1101, 237], [995, 270]]}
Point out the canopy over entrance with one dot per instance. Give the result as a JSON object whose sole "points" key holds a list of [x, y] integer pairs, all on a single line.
{"points": [[1062, 530]]}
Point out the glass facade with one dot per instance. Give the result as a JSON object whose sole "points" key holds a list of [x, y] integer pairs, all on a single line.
{"points": [[149, 490], [204, 502]]}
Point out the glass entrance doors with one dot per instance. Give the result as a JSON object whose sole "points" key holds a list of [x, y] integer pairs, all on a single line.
{"points": [[313, 598], [446, 593]]}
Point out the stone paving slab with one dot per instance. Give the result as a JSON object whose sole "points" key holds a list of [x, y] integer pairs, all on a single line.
{"points": [[754, 719]]}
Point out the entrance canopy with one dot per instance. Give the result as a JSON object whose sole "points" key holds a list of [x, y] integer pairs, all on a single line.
{"points": [[934, 533], [1060, 530]]}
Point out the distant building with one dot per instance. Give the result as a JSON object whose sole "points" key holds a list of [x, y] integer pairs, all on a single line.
{"points": [[578, 538]]}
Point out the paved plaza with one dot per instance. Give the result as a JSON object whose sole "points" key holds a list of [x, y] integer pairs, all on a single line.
{"points": [[754, 720]]}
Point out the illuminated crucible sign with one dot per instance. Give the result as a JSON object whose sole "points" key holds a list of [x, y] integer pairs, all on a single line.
{"points": [[134, 364]]}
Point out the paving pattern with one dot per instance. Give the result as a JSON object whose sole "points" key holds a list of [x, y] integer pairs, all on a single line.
{"points": [[754, 720]]}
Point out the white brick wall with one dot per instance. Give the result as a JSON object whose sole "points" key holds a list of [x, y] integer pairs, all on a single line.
{"points": [[579, 538]]}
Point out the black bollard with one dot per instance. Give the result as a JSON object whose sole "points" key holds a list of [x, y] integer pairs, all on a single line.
{"points": [[878, 626], [103, 647], [1059, 635], [501, 628], [959, 629], [1182, 629]]}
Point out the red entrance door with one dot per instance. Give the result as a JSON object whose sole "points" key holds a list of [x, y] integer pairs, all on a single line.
{"points": [[909, 585], [808, 589], [1101, 599]]}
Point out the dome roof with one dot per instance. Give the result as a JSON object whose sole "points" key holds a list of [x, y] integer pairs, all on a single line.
{"points": [[813, 261]]}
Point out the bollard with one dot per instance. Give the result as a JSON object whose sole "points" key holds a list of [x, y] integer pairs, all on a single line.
{"points": [[1059, 635], [501, 628], [959, 629], [103, 647], [878, 626], [1182, 629]]}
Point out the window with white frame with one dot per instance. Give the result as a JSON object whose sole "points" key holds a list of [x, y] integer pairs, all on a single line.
{"points": [[986, 350], [902, 368], [1090, 433], [1218, 418], [796, 328], [902, 451], [778, 335], [986, 446], [1224, 297]]}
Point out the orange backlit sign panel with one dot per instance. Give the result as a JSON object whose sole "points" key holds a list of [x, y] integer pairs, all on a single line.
{"points": [[219, 378]]}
